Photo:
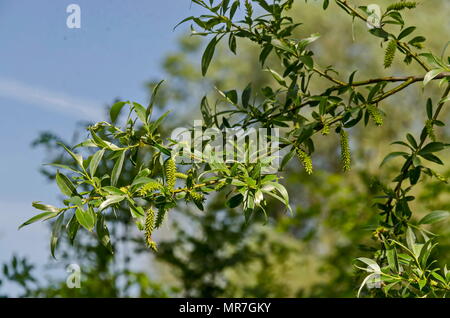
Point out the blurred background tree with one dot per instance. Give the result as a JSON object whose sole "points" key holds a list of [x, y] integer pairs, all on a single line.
{"points": [[216, 253]]}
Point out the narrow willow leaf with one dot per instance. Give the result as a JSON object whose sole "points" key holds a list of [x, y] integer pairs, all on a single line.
{"points": [[86, 218], [78, 158], [117, 170], [246, 94], [407, 31], [393, 155], [235, 201], [103, 233], [96, 158], [432, 147], [65, 185], [148, 113], [140, 112], [208, 55], [56, 232], [434, 217], [45, 207], [112, 199], [410, 239], [72, 228], [40, 217], [430, 76], [115, 110]]}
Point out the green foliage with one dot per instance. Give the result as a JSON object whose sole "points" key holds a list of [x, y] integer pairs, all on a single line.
{"points": [[401, 263]]}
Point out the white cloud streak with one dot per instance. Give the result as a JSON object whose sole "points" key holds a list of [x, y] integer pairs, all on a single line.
{"points": [[70, 105]]}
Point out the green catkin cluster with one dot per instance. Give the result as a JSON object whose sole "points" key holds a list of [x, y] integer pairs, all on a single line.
{"points": [[170, 170], [430, 129], [402, 5], [375, 113], [305, 159], [390, 53], [149, 227], [180, 175], [325, 130], [345, 150], [220, 185], [160, 218], [150, 187], [197, 197]]}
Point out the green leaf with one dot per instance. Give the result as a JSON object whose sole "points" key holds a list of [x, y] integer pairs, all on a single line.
{"points": [[117, 170], [283, 192], [56, 232], [158, 122], [86, 218], [103, 233], [235, 201], [103, 143], [140, 112], [391, 255], [40, 217], [379, 33], [246, 94], [149, 110], [112, 199], [432, 158], [307, 60], [96, 158], [434, 217], [115, 110], [410, 239], [430, 76], [406, 32], [45, 207], [412, 140], [72, 228], [369, 262], [277, 77], [393, 155], [432, 147], [66, 167], [208, 55], [65, 185], [78, 158]]}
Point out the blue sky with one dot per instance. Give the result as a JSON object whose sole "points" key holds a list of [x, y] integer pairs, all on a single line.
{"points": [[51, 77]]}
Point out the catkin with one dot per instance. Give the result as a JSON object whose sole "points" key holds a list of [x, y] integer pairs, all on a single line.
{"points": [[160, 218], [220, 185], [180, 175], [305, 159], [375, 113], [197, 197], [325, 130], [390, 53], [170, 170], [345, 150], [150, 187], [149, 227], [430, 129], [402, 5]]}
